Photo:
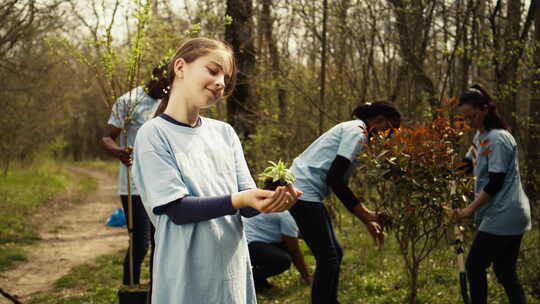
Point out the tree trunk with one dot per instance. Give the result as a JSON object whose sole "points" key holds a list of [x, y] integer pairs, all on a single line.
{"points": [[267, 23], [7, 162], [242, 106], [507, 65], [413, 28], [155, 8], [322, 109], [413, 287], [506, 75], [533, 159]]}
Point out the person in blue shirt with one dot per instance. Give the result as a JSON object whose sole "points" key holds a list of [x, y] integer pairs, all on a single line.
{"points": [[327, 165], [195, 185], [130, 111], [273, 243], [501, 209]]}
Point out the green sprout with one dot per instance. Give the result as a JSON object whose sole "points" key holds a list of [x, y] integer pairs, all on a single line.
{"points": [[277, 173]]}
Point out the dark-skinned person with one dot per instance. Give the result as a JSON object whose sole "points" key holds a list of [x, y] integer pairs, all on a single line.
{"points": [[500, 207], [326, 166], [131, 111], [273, 244]]}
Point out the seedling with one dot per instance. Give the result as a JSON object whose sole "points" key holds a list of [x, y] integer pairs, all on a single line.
{"points": [[276, 175]]}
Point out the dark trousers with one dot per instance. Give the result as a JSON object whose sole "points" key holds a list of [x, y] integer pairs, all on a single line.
{"points": [[141, 237], [502, 252], [314, 224], [268, 259]]}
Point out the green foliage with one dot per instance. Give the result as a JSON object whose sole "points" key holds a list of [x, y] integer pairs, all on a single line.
{"points": [[22, 192], [412, 177], [111, 167], [10, 254], [95, 282], [277, 172], [86, 184], [368, 276]]}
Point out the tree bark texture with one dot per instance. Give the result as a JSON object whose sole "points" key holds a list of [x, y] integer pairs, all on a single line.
{"points": [[242, 106]]}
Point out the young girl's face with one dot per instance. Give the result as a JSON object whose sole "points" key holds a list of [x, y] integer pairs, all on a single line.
{"points": [[203, 80], [474, 116]]}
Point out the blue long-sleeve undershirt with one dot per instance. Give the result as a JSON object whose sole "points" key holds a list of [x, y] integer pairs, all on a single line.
{"points": [[192, 209]]}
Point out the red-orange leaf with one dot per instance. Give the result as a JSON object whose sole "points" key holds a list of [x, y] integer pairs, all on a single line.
{"points": [[484, 143], [487, 152]]}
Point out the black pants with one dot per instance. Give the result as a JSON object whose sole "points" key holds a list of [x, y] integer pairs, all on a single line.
{"points": [[314, 224], [268, 259], [141, 237], [502, 252]]}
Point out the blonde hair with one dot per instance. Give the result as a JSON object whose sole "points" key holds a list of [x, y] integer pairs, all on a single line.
{"points": [[190, 51]]}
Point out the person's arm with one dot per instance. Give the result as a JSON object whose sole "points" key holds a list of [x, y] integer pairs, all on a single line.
{"points": [[495, 184], [291, 243], [466, 166], [108, 141], [192, 209], [336, 180]]}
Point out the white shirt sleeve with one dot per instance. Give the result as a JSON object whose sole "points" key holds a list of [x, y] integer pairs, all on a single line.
{"points": [[155, 172]]}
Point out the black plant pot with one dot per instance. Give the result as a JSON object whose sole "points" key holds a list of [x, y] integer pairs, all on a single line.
{"points": [[137, 294]]}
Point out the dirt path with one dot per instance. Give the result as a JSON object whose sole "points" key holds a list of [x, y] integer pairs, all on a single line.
{"points": [[72, 234]]}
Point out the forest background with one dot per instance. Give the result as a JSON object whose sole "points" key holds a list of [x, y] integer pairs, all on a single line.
{"points": [[304, 65]]}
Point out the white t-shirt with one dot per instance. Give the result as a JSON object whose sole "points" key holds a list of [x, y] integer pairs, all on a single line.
{"points": [[141, 107], [270, 227], [508, 212], [311, 167], [207, 261]]}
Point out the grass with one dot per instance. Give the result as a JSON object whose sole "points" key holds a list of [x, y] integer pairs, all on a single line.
{"points": [[95, 282], [86, 184], [368, 276], [110, 166], [22, 192]]}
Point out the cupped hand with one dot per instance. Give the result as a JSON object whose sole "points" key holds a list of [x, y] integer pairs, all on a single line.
{"points": [[265, 201], [295, 193]]}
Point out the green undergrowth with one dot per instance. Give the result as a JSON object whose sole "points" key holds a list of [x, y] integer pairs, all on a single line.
{"points": [[94, 282], [22, 191], [109, 166], [368, 275]]}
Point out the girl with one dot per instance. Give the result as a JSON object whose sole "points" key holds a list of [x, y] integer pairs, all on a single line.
{"points": [[501, 208], [327, 164], [136, 106], [194, 183]]}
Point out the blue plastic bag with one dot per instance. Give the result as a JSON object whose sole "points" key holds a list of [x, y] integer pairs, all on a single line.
{"points": [[117, 219]]}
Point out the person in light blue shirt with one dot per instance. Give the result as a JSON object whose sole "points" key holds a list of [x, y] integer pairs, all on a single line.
{"points": [[327, 165], [273, 244], [501, 209], [195, 185], [130, 112]]}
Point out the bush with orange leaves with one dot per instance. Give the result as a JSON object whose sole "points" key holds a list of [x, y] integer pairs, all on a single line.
{"points": [[410, 175]]}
